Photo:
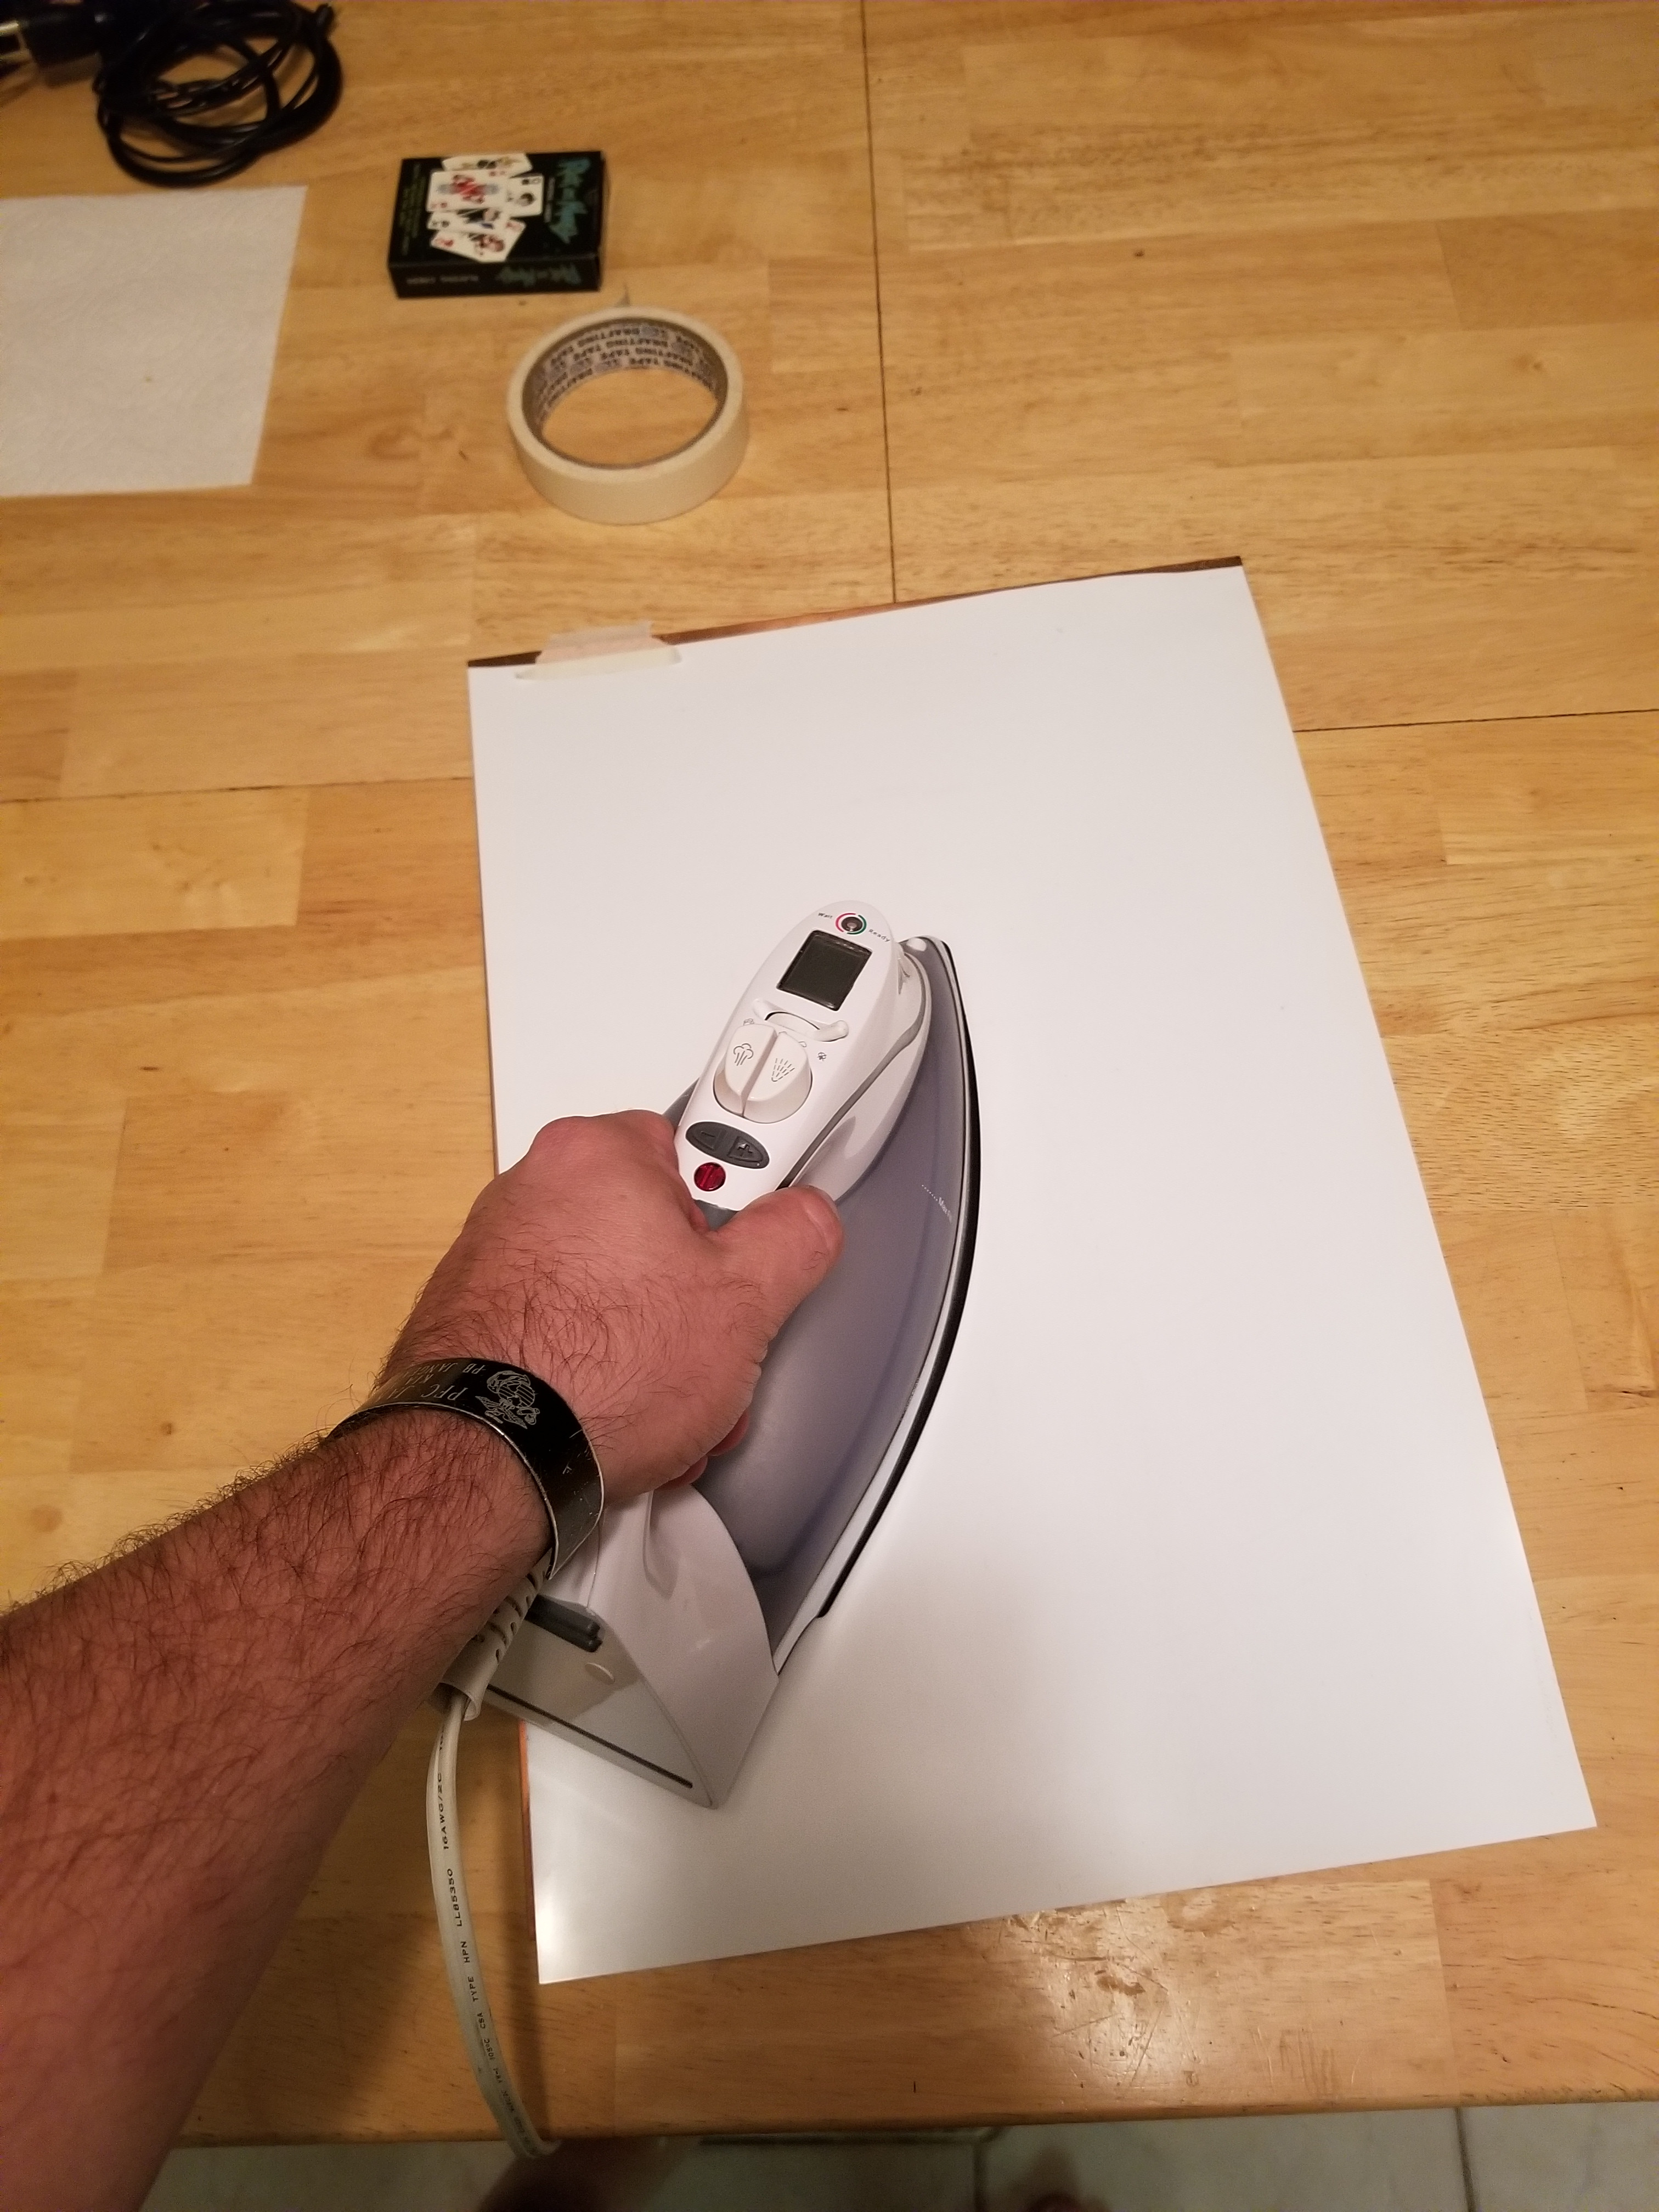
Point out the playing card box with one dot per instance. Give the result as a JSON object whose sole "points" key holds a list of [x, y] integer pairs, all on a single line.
{"points": [[497, 223]]}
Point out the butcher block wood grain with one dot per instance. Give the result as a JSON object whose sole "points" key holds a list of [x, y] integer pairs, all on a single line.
{"points": [[1366, 293]]}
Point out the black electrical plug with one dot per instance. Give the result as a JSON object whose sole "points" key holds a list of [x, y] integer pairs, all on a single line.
{"points": [[55, 32]]}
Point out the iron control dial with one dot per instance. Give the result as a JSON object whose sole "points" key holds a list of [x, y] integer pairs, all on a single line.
{"points": [[766, 1075]]}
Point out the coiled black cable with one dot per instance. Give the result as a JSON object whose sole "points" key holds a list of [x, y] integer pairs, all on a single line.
{"points": [[168, 129]]}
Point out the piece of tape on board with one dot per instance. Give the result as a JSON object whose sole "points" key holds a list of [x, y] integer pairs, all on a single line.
{"points": [[591, 651]]}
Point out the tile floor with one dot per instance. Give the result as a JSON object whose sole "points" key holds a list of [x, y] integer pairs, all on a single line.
{"points": [[1551, 2158]]}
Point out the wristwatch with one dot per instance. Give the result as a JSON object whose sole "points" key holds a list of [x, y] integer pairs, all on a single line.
{"points": [[523, 1413]]}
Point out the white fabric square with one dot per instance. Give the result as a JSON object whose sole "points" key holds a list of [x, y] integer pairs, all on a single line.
{"points": [[137, 334]]}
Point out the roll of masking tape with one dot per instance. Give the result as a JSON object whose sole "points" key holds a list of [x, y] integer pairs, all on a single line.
{"points": [[596, 345]]}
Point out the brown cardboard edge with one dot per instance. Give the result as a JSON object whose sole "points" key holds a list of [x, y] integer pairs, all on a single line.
{"points": [[529, 1854], [883, 607]]}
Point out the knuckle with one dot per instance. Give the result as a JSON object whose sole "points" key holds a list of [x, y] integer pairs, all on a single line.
{"points": [[555, 1137]]}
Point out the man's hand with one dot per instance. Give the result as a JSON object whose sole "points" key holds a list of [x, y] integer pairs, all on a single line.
{"points": [[589, 1264]]}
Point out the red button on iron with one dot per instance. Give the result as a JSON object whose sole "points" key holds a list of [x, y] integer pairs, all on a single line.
{"points": [[710, 1175]]}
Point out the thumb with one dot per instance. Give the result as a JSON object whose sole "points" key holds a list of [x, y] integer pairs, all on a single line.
{"points": [[787, 1243]]}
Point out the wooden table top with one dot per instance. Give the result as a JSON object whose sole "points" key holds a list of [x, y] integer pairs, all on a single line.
{"points": [[1366, 293]]}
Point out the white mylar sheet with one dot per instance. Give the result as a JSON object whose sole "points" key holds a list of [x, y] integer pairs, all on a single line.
{"points": [[1204, 1568]]}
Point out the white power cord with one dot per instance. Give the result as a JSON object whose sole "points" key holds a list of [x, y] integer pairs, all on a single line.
{"points": [[463, 1688]]}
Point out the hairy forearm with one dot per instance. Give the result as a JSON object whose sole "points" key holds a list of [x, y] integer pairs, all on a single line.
{"points": [[184, 1730]]}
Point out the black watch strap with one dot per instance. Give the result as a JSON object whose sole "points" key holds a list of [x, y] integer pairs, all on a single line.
{"points": [[523, 1413]]}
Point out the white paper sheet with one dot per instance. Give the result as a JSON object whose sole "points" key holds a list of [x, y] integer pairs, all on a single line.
{"points": [[1204, 1568], [137, 334]]}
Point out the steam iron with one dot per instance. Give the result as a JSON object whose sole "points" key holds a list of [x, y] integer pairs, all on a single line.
{"points": [[845, 1064]]}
